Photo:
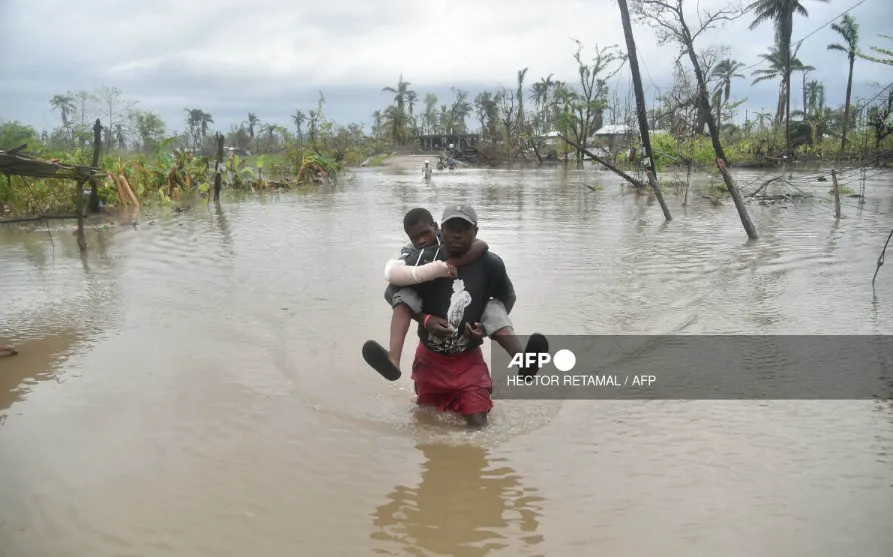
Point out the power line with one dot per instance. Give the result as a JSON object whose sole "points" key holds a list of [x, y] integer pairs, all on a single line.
{"points": [[832, 20]]}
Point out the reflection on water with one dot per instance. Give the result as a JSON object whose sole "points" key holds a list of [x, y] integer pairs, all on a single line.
{"points": [[36, 361], [463, 506]]}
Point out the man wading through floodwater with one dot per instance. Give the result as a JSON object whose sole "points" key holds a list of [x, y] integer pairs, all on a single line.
{"points": [[449, 370]]}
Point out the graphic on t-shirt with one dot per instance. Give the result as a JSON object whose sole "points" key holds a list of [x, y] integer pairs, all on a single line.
{"points": [[458, 302], [458, 342]]}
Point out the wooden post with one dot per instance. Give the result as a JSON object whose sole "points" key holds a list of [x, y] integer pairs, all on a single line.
{"points": [[739, 203], [97, 147], [836, 194], [217, 173], [82, 241], [640, 106]]}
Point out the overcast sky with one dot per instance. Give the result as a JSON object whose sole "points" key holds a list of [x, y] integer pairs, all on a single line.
{"points": [[272, 56]]}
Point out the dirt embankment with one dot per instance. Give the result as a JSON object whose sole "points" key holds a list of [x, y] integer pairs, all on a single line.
{"points": [[409, 161]]}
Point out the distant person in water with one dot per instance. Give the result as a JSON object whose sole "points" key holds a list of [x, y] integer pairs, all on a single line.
{"points": [[426, 170]]}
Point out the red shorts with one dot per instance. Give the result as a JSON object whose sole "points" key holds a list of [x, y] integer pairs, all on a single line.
{"points": [[458, 383]]}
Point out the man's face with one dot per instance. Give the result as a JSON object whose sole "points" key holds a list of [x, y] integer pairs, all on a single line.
{"points": [[458, 234], [422, 234]]}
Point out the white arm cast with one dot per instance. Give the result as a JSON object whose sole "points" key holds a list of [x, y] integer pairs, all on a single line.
{"points": [[398, 273]]}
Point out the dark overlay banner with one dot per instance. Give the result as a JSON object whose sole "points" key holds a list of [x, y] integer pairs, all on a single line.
{"points": [[718, 367]]}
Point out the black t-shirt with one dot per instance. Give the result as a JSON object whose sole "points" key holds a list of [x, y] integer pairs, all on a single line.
{"points": [[462, 300]]}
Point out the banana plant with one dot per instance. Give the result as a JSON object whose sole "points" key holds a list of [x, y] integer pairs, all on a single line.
{"points": [[239, 175], [178, 170]]}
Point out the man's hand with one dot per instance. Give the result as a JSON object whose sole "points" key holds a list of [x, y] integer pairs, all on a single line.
{"points": [[452, 271], [476, 334], [439, 327]]}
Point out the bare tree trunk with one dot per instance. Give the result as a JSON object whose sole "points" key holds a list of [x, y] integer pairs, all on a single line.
{"points": [[739, 203], [788, 25], [805, 111], [640, 106], [82, 241], [721, 160], [94, 187], [219, 166], [605, 163], [704, 102], [836, 194], [846, 110]]}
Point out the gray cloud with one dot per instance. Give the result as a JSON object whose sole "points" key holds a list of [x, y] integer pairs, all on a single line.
{"points": [[272, 56]]}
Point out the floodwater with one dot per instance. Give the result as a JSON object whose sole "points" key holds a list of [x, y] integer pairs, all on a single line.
{"points": [[194, 385]]}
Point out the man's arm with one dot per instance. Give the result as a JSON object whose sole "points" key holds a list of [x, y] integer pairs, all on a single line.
{"points": [[500, 285], [478, 249]]}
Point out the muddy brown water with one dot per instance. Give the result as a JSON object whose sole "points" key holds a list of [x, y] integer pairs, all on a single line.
{"points": [[195, 386]]}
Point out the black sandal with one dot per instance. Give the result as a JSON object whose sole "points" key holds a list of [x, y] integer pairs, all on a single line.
{"points": [[536, 344], [377, 357]]}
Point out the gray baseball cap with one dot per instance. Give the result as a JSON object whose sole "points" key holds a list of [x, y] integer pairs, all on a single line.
{"points": [[464, 212]]}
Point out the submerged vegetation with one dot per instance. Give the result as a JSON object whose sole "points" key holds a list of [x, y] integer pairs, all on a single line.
{"points": [[691, 122]]}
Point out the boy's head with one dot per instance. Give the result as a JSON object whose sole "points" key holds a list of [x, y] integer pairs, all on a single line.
{"points": [[419, 225]]}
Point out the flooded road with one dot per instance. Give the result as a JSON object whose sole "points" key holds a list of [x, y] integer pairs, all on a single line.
{"points": [[195, 386]]}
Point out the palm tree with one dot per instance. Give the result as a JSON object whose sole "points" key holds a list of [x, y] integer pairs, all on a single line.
{"points": [[203, 121], [269, 129], [782, 13], [430, 117], [193, 121], [540, 98], [724, 72], [65, 105], [763, 117], [520, 94], [400, 96], [815, 98], [849, 30], [299, 118], [396, 123], [775, 70], [376, 124], [443, 120], [252, 121], [411, 100]]}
